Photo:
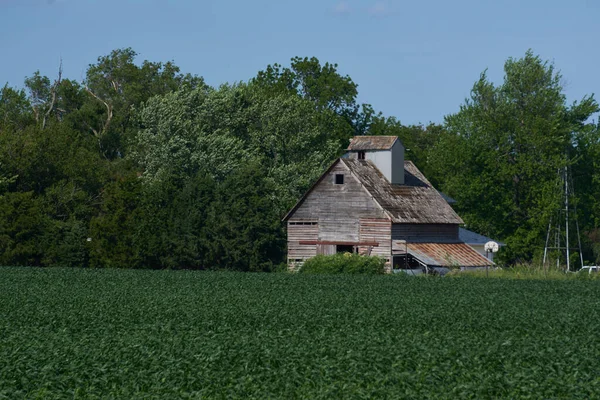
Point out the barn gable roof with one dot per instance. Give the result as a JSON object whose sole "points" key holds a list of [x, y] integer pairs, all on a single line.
{"points": [[415, 202], [305, 195], [359, 143]]}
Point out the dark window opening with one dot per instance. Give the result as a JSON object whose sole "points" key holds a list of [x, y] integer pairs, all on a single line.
{"points": [[400, 262], [339, 179], [343, 248], [361, 155]]}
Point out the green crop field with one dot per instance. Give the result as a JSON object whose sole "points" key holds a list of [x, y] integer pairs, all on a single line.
{"points": [[74, 333]]}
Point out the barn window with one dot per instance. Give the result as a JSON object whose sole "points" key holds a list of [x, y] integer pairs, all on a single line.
{"points": [[361, 155], [339, 179]]}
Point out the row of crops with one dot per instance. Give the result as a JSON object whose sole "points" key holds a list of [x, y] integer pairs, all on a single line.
{"points": [[177, 334]]}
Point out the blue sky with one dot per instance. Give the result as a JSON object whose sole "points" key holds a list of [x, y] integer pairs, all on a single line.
{"points": [[415, 60]]}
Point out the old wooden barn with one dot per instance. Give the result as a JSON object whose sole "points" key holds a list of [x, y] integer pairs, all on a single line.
{"points": [[373, 202]]}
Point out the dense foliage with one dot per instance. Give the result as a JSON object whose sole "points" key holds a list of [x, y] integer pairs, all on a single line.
{"points": [[501, 156], [344, 263], [142, 166], [186, 334]]}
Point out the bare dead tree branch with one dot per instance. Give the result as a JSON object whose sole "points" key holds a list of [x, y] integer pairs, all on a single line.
{"points": [[36, 113], [95, 132], [109, 110], [53, 93]]}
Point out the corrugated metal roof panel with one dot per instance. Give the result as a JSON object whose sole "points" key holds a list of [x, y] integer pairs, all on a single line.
{"points": [[371, 143], [447, 255], [414, 202], [471, 237]]}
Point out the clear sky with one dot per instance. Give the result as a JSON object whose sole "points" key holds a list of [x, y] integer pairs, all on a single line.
{"points": [[415, 60]]}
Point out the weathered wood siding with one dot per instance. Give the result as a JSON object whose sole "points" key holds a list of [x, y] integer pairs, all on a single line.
{"points": [[297, 231], [338, 208], [377, 230], [326, 249], [425, 232]]}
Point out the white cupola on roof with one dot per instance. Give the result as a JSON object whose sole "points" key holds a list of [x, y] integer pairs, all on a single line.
{"points": [[385, 152]]}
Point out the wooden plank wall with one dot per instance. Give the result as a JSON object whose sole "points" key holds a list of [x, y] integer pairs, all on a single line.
{"points": [[297, 231], [338, 208], [377, 230], [326, 249]]}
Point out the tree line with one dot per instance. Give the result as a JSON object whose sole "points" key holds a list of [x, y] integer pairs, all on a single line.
{"points": [[143, 166]]}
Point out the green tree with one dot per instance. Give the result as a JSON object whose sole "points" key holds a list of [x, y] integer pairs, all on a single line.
{"points": [[113, 228], [15, 109], [221, 130], [503, 149], [321, 84], [586, 178], [191, 130], [290, 140], [116, 85], [325, 88], [171, 225], [244, 229], [54, 178], [22, 221]]}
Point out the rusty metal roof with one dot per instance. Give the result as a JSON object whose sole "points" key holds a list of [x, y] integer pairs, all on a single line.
{"points": [[371, 143], [414, 202], [447, 255]]}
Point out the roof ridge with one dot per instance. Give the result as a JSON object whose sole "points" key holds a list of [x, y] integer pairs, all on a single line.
{"points": [[359, 178], [415, 201], [372, 142]]}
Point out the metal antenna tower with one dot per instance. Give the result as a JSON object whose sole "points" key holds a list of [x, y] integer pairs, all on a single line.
{"points": [[565, 215]]}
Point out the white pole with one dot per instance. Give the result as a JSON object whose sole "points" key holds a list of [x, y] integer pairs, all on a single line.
{"points": [[546, 248], [558, 241]]}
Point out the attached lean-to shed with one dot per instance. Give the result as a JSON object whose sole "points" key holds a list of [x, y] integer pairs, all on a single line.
{"points": [[373, 202]]}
